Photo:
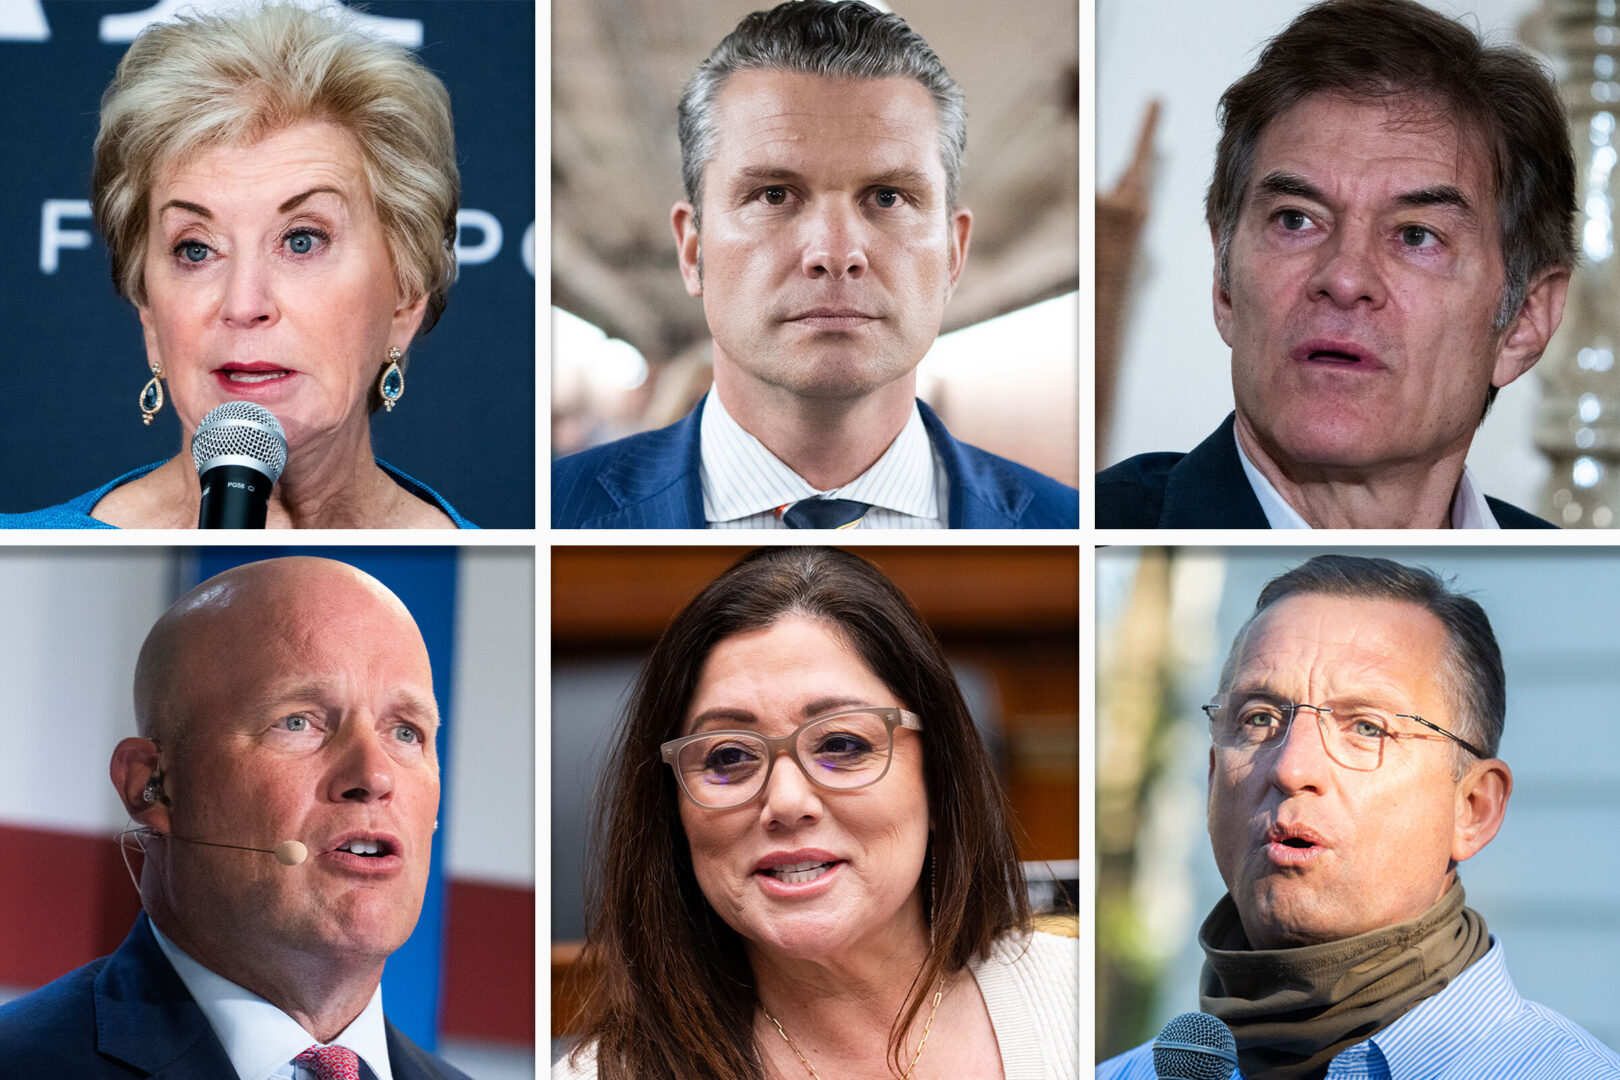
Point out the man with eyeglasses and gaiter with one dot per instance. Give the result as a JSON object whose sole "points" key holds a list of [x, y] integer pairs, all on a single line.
{"points": [[1352, 768]]}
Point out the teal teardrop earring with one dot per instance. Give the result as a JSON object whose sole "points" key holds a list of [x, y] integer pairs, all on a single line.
{"points": [[151, 399], [392, 384]]}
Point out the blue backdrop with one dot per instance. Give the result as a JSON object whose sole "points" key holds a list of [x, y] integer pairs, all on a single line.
{"points": [[71, 357]]}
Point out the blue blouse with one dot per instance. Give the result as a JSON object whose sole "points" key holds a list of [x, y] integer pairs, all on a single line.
{"points": [[75, 513]]}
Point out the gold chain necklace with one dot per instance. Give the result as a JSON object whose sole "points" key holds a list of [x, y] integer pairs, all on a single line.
{"points": [[929, 1026]]}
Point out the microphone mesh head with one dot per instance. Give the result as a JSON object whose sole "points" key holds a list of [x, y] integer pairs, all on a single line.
{"points": [[241, 429], [1194, 1046]]}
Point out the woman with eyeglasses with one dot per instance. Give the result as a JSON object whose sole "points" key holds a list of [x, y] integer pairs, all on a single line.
{"points": [[807, 866]]}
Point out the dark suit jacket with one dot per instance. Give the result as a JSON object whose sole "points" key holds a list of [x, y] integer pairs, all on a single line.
{"points": [[1207, 489], [650, 481], [129, 1015]]}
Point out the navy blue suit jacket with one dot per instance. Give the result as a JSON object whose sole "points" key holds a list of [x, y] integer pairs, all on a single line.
{"points": [[129, 1015], [1207, 489], [650, 481]]}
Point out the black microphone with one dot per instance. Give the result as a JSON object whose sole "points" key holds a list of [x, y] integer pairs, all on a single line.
{"points": [[240, 450], [287, 853], [1194, 1046]]}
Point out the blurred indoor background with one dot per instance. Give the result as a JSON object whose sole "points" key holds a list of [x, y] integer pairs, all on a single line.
{"points": [[1552, 441], [1007, 618], [631, 350]]}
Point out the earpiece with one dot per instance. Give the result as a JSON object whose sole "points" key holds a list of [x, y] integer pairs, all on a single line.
{"points": [[153, 791]]}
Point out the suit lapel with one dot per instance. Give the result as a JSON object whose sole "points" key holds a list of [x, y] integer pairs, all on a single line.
{"points": [[401, 1059], [1208, 488], [410, 1062], [978, 499], [1509, 516], [654, 479], [147, 1019]]}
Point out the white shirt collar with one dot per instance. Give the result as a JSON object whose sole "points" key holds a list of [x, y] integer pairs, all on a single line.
{"points": [[741, 477], [259, 1038], [1469, 510]]}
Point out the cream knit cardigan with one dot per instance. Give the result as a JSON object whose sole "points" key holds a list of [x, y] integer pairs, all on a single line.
{"points": [[1032, 988]]}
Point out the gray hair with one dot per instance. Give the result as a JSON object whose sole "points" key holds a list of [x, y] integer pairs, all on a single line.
{"points": [[849, 40], [1476, 683]]}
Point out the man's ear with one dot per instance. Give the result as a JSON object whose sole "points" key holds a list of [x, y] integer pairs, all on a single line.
{"points": [[135, 770], [1527, 336], [1482, 797], [688, 246], [961, 232], [1223, 300]]}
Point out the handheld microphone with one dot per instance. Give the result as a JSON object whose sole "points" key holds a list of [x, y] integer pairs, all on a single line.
{"points": [[287, 853], [1194, 1046], [240, 450]]}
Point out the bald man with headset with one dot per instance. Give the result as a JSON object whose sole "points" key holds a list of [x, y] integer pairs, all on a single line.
{"points": [[286, 803]]}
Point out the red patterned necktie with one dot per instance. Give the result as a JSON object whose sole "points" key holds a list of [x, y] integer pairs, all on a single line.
{"points": [[330, 1062]]}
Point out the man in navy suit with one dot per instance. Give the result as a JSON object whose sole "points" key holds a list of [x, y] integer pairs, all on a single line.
{"points": [[820, 146], [285, 785], [1392, 211]]}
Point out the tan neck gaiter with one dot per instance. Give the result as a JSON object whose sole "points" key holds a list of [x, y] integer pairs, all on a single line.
{"points": [[1292, 1010]]}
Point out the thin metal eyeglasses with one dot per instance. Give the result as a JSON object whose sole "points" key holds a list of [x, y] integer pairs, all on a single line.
{"points": [[842, 750], [1354, 735]]}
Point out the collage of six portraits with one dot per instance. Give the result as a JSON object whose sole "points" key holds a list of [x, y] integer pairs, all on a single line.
{"points": [[981, 799]]}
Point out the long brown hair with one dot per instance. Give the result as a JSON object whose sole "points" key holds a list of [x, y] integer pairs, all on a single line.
{"points": [[673, 995]]}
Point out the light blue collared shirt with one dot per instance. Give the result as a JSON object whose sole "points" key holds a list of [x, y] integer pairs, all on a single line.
{"points": [[259, 1038], [1478, 1028]]}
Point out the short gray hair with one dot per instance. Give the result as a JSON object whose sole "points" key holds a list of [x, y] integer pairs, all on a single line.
{"points": [[207, 80], [1477, 685], [848, 40]]}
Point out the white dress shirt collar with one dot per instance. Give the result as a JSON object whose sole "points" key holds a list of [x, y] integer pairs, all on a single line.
{"points": [[1469, 510], [259, 1038], [742, 479]]}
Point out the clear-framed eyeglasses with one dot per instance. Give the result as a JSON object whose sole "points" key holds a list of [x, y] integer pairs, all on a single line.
{"points": [[1353, 734], [842, 750]]}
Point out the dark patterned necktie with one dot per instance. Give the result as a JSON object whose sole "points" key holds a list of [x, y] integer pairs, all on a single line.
{"points": [[819, 513], [330, 1062]]}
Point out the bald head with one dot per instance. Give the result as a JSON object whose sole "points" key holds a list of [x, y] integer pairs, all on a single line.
{"points": [[240, 609], [285, 700]]}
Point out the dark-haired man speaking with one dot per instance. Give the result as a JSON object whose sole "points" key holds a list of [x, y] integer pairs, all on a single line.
{"points": [[1353, 766], [1392, 212]]}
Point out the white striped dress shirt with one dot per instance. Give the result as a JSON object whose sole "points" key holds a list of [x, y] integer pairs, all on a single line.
{"points": [[744, 484], [1478, 1028]]}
